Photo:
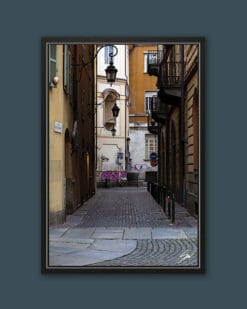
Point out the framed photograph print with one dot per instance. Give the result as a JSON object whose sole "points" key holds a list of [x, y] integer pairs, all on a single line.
{"points": [[123, 155]]}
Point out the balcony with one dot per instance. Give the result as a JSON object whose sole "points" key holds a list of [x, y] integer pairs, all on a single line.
{"points": [[170, 82], [153, 126], [159, 110], [170, 78], [154, 59]]}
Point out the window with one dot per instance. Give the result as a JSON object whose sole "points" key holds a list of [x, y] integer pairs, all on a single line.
{"points": [[108, 50], [149, 58], [52, 63], [150, 145], [148, 99], [67, 70]]}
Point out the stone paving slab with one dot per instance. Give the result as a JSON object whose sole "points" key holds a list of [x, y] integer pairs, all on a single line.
{"points": [[73, 219], [166, 233], [64, 245], [107, 234], [99, 251], [114, 245], [79, 233], [57, 232], [192, 232], [137, 233], [65, 240]]}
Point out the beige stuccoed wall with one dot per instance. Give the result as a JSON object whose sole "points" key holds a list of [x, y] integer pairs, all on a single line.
{"points": [[59, 110], [107, 145], [189, 122]]}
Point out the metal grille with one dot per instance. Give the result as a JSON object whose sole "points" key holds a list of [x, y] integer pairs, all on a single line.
{"points": [[171, 75]]}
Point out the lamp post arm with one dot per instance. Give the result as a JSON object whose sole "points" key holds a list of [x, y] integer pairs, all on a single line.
{"points": [[111, 54]]}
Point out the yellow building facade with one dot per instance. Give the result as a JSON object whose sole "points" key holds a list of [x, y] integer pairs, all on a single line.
{"points": [[71, 129], [140, 82], [142, 90]]}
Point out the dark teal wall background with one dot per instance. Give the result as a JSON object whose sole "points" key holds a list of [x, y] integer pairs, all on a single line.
{"points": [[223, 24]]}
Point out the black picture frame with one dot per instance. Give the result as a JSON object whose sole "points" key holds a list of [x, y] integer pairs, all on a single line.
{"points": [[45, 267]]}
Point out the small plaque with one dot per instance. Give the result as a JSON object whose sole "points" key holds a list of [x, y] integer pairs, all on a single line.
{"points": [[58, 127]]}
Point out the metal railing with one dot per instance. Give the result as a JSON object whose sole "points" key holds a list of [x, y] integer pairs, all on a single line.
{"points": [[152, 125], [159, 110], [158, 106], [166, 199], [155, 57], [170, 75]]}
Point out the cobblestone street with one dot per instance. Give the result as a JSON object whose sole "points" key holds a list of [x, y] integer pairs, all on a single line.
{"points": [[124, 227]]}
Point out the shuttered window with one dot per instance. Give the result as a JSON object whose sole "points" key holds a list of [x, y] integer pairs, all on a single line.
{"points": [[67, 70], [52, 63], [148, 99]]}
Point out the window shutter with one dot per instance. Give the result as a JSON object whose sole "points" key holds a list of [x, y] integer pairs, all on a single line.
{"points": [[148, 99], [66, 70], [52, 63], [145, 63]]}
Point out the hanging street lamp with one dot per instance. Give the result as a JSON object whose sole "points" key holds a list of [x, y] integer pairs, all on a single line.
{"points": [[113, 131], [111, 73], [115, 110]]}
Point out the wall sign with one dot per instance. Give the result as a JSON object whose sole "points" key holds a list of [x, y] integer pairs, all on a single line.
{"points": [[153, 156], [58, 127]]}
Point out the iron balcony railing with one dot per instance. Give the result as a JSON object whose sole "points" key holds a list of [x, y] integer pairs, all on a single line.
{"points": [[154, 59], [153, 126], [159, 110], [155, 56], [170, 75]]}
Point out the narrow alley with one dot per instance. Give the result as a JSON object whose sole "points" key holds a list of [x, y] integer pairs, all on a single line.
{"points": [[124, 226], [122, 144]]}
